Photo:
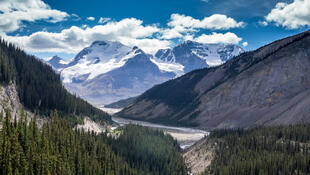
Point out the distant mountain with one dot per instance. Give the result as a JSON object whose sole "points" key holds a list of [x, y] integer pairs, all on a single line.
{"points": [[57, 63], [39, 88], [121, 103], [269, 86], [191, 55], [107, 71]]}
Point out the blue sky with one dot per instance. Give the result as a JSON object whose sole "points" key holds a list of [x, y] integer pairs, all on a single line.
{"points": [[48, 27]]}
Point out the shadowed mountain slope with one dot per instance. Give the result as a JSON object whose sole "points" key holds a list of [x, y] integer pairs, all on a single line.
{"points": [[269, 86]]}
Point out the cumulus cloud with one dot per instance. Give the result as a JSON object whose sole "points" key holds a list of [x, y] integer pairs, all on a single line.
{"points": [[291, 16], [128, 31], [225, 38], [103, 20], [90, 18], [181, 26], [244, 44], [214, 22], [263, 23], [14, 12]]}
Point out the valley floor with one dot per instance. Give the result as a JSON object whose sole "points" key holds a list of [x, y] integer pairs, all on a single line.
{"points": [[186, 137]]}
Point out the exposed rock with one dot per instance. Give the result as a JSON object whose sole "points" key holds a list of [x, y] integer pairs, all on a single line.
{"points": [[269, 86], [90, 125], [199, 157], [9, 100]]}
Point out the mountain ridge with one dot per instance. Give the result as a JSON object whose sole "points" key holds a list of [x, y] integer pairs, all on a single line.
{"points": [[39, 87], [202, 96], [106, 61]]}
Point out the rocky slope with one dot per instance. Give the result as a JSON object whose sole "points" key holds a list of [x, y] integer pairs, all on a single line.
{"points": [[269, 86], [9, 101], [199, 156], [106, 71]]}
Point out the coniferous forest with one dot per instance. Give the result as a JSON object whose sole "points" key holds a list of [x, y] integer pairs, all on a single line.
{"points": [[58, 149], [267, 150], [39, 87]]}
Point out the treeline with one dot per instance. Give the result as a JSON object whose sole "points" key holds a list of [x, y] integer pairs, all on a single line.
{"points": [[267, 150], [39, 87], [56, 148]]}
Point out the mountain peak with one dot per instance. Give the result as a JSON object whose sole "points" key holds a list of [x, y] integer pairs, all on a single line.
{"points": [[193, 55], [137, 50], [99, 42], [57, 63], [189, 42], [105, 43], [269, 86], [104, 67], [55, 58]]}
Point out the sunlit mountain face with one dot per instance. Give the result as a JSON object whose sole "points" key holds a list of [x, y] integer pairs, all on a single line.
{"points": [[106, 71], [154, 87], [183, 37]]}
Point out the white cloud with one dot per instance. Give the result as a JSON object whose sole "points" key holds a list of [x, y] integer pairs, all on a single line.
{"points": [[291, 16], [103, 20], [244, 44], [14, 12], [75, 17], [226, 38], [129, 31], [90, 18], [177, 32], [263, 23], [214, 22], [147, 45], [181, 26]]}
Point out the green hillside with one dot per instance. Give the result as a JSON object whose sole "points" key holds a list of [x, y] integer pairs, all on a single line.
{"points": [[39, 88]]}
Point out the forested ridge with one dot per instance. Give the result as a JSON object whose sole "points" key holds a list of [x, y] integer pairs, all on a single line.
{"points": [[151, 150], [58, 149], [266, 150], [39, 87]]}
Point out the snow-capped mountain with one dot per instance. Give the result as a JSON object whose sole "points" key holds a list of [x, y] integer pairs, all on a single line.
{"points": [[57, 63], [192, 55], [109, 71]]}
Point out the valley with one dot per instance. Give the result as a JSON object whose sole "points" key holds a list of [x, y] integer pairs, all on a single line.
{"points": [[190, 87], [186, 137], [109, 71]]}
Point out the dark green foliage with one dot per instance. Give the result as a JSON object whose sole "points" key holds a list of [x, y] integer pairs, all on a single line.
{"points": [[39, 87], [150, 151], [55, 149], [58, 149], [270, 150]]}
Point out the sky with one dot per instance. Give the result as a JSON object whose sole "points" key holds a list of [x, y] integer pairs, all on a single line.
{"points": [[46, 28]]}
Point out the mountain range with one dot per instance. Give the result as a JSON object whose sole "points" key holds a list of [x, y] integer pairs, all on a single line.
{"points": [[268, 86], [108, 71]]}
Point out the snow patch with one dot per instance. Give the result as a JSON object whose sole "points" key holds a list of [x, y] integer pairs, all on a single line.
{"points": [[177, 68]]}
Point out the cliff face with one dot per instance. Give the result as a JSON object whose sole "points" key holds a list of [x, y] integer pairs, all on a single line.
{"points": [[9, 100], [269, 86]]}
